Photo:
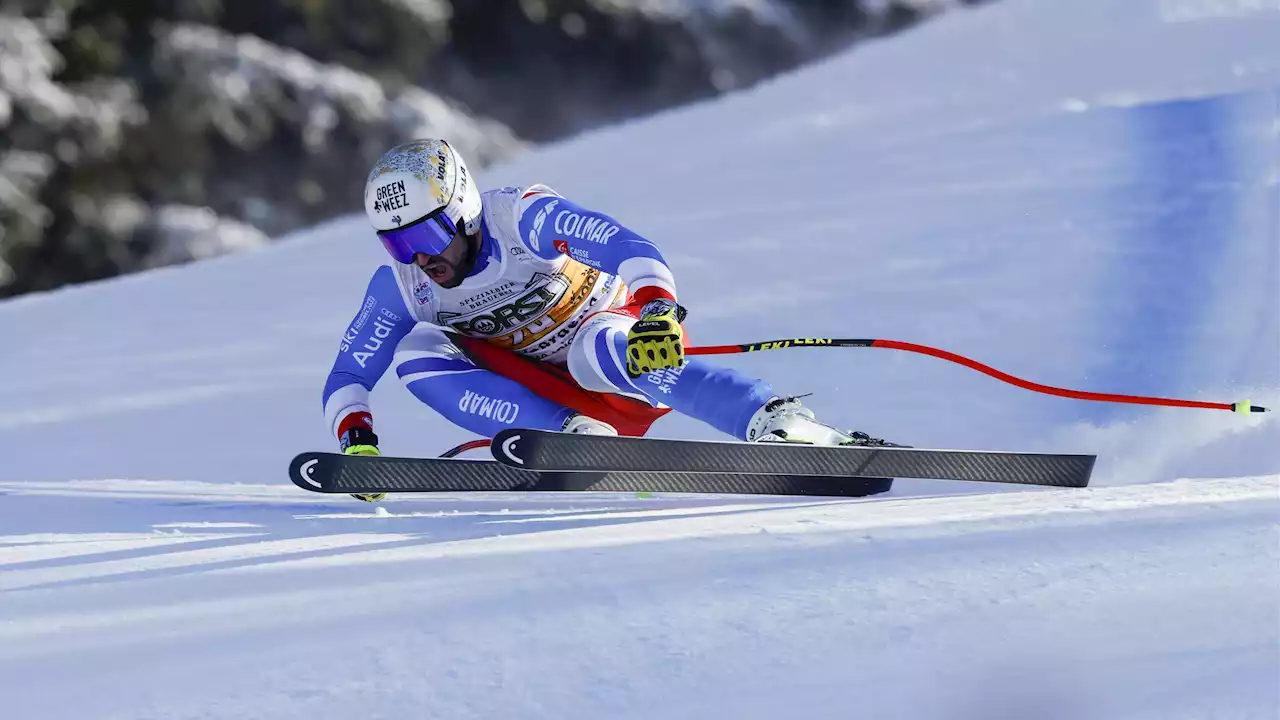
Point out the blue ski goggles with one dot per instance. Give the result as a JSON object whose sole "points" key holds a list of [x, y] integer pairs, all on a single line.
{"points": [[430, 235]]}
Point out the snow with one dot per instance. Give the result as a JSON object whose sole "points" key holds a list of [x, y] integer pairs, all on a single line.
{"points": [[1083, 194], [1137, 601]]}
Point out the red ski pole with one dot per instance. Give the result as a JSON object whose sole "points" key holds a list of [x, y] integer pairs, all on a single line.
{"points": [[1243, 407]]}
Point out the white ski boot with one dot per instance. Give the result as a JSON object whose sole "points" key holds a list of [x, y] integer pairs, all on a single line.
{"points": [[786, 420], [580, 424]]}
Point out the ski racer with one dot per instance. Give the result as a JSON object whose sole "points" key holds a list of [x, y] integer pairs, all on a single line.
{"points": [[517, 307]]}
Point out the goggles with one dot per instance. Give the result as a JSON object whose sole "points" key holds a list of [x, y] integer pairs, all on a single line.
{"points": [[431, 235]]}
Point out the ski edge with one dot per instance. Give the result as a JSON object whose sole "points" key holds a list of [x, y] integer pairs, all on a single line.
{"points": [[505, 435], [301, 472], [504, 440]]}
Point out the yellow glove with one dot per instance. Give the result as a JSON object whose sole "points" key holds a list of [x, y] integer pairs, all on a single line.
{"points": [[656, 341], [361, 441]]}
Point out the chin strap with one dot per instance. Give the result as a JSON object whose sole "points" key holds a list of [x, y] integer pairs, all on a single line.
{"points": [[475, 244]]}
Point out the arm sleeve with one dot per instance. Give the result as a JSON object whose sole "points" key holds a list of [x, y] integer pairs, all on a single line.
{"points": [[551, 225], [366, 350]]}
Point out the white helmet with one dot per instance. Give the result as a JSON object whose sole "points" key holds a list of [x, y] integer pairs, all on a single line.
{"points": [[417, 197]]}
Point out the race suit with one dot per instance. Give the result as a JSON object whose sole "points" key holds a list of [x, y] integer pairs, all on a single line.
{"points": [[553, 283]]}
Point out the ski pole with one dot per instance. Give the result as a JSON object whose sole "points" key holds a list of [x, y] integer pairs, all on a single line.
{"points": [[468, 445], [1243, 407]]}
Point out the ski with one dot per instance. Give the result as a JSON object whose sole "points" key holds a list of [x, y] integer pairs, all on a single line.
{"points": [[335, 473], [562, 452]]}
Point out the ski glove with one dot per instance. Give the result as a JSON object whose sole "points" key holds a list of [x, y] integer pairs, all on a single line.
{"points": [[361, 441], [656, 340]]}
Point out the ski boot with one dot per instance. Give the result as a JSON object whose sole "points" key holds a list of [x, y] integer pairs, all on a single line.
{"points": [[580, 424], [786, 420], [361, 440]]}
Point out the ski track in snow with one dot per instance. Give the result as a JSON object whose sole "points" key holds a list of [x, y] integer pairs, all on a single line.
{"points": [[459, 604], [1012, 182], [241, 540]]}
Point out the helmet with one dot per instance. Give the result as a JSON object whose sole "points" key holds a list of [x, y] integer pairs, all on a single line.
{"points": [[417, 197]]}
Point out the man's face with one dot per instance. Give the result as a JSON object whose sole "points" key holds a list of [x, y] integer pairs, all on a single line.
{"points": [[446, 268]]}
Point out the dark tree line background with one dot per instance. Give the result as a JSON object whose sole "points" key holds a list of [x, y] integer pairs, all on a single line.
{"points": [[139, 133]]}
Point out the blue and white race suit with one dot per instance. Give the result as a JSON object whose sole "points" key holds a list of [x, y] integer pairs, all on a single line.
{"points": [[546, 269]]}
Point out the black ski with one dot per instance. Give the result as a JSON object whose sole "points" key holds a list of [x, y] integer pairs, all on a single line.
{"points": [[335, 473], [562, 452]]}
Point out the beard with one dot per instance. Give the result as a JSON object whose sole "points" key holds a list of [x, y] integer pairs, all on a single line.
{"points": [[456, 276], [458, 271]]}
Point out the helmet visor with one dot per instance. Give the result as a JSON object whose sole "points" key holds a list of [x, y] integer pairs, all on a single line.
{"points": [[430, 235]]}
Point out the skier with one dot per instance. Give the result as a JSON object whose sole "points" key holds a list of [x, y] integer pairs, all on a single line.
{"points": [[517, 307]]}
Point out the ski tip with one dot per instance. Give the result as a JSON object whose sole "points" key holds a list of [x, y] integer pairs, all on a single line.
{"points": [[302, 471], [1244, 407], [507, 448]]}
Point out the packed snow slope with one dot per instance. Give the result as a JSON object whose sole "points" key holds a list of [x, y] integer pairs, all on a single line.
{"points": [[1084, 194]]}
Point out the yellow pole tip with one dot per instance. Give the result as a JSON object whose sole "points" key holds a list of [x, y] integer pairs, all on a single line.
{"points": [[1244, 407]]}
